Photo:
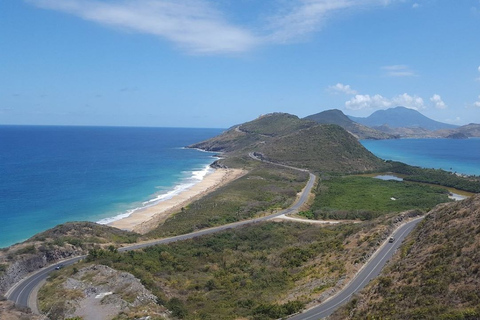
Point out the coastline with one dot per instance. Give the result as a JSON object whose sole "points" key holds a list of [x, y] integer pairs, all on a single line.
{"points": [[146, 219]]}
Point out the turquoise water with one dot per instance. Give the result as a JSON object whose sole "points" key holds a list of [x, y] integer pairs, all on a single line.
{"points": [[50, 175], [461, 156]]}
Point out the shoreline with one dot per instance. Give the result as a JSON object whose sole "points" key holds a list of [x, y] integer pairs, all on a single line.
{"points": [[145, 219]]}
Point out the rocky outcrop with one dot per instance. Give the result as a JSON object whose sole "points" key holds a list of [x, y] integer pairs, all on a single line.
{"points": [[100, 292], [22, 266], [457, 135], [8, 311]]}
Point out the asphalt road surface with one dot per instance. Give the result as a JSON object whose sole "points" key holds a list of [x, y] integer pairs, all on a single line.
{"points": [[369, 271]]}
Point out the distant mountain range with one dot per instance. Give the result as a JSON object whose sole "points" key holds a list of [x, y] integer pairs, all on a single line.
{"points": [[302, 143], [399, 122], [401, 117], [358, 130]]}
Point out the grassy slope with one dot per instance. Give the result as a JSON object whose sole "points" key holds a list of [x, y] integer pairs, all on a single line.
{"points": [[364, 198], [435, 275], [323, 148]]}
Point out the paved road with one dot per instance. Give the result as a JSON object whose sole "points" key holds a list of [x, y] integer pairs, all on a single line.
{"points": [[370, 270], [21, 292]]}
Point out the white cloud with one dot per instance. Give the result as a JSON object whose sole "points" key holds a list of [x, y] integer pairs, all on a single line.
{"points": [[477, 103], [415, 5], [438, 102], [360, 102], [194, 25], [398, 70], [408, 101], [478, 68], [342, 88]]}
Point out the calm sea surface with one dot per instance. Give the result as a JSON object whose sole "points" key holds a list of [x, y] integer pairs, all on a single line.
{"points": [[462, 156], [50, 175]]}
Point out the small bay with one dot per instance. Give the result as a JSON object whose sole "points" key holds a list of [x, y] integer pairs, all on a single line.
{"points": [[460, 156]]}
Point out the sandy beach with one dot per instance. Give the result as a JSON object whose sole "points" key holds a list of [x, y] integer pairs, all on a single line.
{"points": [[144, 220]]}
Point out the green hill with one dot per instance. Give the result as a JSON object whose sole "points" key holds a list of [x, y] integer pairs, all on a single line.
{"points": [[321, 148], [435, 274], [358, 130], [286, 139]]}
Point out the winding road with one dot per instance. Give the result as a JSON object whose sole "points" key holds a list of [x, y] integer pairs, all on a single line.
{"points": [[21, 293], [368, 272]]}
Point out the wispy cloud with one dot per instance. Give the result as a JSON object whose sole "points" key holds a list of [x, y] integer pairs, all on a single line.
{"points": [[194, 25], [301, 17], [375, 102], [199, 26], [398, 70], [342, 88]]}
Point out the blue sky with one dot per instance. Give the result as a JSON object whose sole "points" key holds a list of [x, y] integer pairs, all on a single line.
{"points": [[217, 63]]}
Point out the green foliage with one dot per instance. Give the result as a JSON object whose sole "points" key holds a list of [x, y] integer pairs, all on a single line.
{"points": [[238, 273], [30, 249], [274, 311], [177, 307], [364, 198], [436, 176], [262, 191], [85, 235]]}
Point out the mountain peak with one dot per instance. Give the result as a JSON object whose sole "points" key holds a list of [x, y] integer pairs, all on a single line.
{"points": [[402, 117]]}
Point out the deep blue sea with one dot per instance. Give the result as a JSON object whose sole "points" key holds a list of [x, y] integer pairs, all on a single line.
{"points": [[461, 156], [53, 174]]}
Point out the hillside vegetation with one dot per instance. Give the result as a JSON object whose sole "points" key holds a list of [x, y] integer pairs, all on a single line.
{"points": [[436, 176], [265, 271], [435, 275], [365, 198], [275, 125], [322, 148], [286, 139]]}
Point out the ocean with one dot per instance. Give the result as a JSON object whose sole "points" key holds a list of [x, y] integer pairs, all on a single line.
{"points": [[54, 174], [460, 156]]}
